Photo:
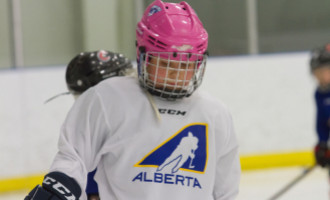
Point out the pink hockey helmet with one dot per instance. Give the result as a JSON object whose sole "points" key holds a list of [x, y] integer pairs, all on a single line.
{"points": [[171, 27], [171, 31]]}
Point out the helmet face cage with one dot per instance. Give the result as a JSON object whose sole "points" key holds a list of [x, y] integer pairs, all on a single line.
{"points": [[168, 78]]}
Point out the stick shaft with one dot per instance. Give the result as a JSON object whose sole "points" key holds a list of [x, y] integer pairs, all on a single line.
{"points": [[292, 183]]}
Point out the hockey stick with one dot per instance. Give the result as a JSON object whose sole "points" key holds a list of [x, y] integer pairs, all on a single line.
{"points": [[54, 97], [293, 182]]}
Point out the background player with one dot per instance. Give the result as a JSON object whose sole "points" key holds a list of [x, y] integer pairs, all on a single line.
{"points": [[320, 68], [114, 126], [88, 69]]}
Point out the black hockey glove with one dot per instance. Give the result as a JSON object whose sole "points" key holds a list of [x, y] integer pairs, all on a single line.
{"points": [[322, 154], [56, 186]]}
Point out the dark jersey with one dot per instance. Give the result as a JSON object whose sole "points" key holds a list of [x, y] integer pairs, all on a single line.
{"points": [[323, 115]]}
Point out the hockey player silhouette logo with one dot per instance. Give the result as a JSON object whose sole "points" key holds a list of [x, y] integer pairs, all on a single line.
{"points": [[181, 154], [186, 150]]}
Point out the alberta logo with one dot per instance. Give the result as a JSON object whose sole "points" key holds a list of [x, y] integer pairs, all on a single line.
{"points": [[186, 150]]}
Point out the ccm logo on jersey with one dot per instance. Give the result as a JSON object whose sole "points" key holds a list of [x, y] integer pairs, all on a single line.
{"points": [[59, 187], [186, 150], [171, 111]]}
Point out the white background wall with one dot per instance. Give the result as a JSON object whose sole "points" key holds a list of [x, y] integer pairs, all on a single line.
{"points": [[270, 97]]}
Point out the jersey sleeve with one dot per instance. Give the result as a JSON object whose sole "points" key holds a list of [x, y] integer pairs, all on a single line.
{"points": [[82, 135], [228, 169]]}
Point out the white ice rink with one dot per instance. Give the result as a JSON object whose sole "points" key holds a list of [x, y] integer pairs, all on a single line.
{"points": [[262, 184]]}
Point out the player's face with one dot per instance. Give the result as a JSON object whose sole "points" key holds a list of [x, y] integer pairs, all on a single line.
{"points": [[170, 74], [322, 75]]}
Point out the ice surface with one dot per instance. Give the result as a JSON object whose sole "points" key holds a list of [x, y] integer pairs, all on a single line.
{"points": [[263, 184]]}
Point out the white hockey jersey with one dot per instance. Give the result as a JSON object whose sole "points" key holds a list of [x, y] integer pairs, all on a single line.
{"points": [[190, 153]]}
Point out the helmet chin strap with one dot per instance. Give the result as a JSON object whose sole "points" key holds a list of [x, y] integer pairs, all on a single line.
{"points": [[152, 102]]}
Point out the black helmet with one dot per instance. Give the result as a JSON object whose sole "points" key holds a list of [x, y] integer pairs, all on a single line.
{"points": [[89, 68], [320, 57]]}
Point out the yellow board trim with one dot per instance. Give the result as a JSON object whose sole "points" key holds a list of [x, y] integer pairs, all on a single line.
{"points": [[289, 159], [20, 183], [248, 162]]}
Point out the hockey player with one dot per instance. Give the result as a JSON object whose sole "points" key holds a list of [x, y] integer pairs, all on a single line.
{"points": [[89, 68], [128, 127], [86, 70], [320, 68]]}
